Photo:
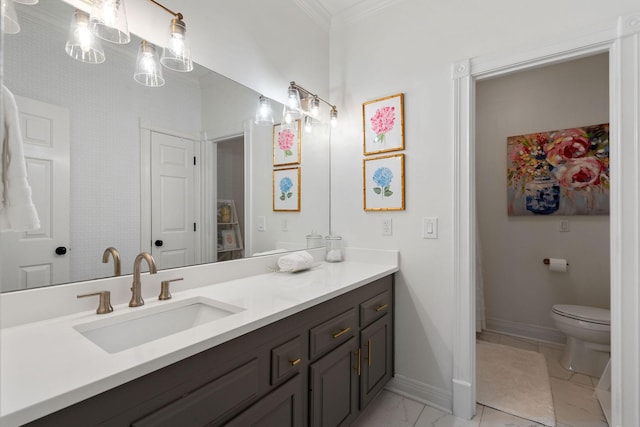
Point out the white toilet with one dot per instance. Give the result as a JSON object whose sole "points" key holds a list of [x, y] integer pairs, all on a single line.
{"points": [[588, 331]]}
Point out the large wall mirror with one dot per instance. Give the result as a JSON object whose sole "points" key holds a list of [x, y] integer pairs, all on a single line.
{"points": [[119, 178]]}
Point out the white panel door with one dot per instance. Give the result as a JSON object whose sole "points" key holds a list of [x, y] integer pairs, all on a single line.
{"points": [[29, 259], [172, 201]]}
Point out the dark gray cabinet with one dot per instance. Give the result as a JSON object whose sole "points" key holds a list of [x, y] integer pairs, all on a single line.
{"points": [[319, 367]]}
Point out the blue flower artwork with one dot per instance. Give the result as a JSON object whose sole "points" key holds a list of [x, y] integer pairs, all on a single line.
{"points": [[285, 185], [383, 177]]}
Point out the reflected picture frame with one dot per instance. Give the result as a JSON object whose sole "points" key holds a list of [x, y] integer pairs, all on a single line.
{"points": [[383, 183], [287, 143], [286, 190], [383, 124]]}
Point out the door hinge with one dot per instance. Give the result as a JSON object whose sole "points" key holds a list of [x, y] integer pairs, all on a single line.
{"points": [[194, 226]]}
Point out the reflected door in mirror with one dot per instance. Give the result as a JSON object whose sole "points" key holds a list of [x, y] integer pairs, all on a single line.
{"points": [[30, 259]]}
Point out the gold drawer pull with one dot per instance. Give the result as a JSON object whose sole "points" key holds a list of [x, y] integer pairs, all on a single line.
{"points": [[295, 362], [341, 332], [382, 307]]}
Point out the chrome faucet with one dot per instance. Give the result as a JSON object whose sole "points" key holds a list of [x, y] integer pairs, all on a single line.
{"points": [[116, 259], [136, 293]]}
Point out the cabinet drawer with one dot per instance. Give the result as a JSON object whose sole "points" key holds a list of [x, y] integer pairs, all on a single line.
{"points": [[211, 403], [286, 359], [332, 333], [375, 307]]}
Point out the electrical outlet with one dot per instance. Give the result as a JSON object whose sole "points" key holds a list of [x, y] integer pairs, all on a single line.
{"points": [[262, 223], [564, 225], [284, 225], [387, 227]]}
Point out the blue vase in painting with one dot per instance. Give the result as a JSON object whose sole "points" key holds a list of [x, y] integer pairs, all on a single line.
{"points": [[542, 195]]}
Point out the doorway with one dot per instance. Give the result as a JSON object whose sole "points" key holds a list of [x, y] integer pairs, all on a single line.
{"points": [[622, 41]]}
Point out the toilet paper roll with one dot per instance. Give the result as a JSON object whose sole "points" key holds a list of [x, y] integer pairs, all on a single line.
{"points": [[558, 264]]}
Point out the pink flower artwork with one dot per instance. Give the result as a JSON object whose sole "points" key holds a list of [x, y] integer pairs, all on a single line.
{"points": [[564, 172], [285, 141], [382, 122]]}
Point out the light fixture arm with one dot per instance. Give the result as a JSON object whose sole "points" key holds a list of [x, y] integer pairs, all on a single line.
{"points": [[300, 88], [176, 14]]}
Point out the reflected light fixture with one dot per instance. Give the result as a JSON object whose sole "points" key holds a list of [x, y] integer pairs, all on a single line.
{"points": [[264, 112], [295, 109], [10, 24], [148, 70], [109, 21], [176, 55], [82, 45]]}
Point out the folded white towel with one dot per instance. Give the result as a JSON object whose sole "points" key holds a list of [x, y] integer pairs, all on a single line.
{"points": [[295, 261]]}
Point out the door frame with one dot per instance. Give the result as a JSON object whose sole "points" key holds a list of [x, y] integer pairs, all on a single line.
{"points": [[147, 126], [621, 39]]}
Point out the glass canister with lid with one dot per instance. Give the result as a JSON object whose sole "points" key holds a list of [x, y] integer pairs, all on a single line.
{"points": [[334, 249]]}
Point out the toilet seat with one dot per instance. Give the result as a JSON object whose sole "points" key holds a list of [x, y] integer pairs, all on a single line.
{"points": [[600, 316]]}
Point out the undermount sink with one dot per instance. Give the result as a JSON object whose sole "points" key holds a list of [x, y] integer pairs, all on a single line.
{"points": [[129, 330]]}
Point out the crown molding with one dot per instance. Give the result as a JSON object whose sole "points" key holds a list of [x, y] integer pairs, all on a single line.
{"points": [[363, 9], [317, 12]]}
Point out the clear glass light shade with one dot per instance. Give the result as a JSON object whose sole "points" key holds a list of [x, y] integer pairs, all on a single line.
{"points": [[333, 117], [27, 2], [264, 112], [293, 105], [308, 124], [109, 21], [176, 55], [10, 24], [148, 70], [315, 106], [82, 45]]}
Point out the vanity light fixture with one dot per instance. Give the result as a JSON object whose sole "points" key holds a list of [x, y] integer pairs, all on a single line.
{"points": [[109, 21], [82, 44], [176, 55], [10, 24], [148, 70], [309, 107], [264, 112]]}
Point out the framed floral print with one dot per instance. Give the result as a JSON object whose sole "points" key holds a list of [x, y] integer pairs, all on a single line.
{"points": [[559, 172], [286, 190], [286, 144], [383, 124], [383, 183]]}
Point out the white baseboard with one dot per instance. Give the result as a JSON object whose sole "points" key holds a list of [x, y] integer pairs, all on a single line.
{"points": [[421, 392], [525, 330]]}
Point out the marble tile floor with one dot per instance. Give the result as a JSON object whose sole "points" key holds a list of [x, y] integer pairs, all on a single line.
{"points": [[572, 393]]}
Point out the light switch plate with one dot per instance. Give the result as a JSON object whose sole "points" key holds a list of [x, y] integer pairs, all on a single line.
{"points": [[262, 223], [564, 225], [387, 227], [429, 228]]}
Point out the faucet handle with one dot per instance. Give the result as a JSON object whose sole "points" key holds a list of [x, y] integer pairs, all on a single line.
{"points": [[165, 294], [104, 306]]}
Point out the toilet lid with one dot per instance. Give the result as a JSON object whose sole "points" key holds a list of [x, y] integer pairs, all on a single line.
{"points": [[601, 316]]}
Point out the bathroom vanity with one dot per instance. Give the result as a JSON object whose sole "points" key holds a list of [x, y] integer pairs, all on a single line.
{"points": [[311, 348]]}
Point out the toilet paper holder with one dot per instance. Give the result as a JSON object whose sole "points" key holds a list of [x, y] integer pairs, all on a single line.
{"points": [[546, 261]]}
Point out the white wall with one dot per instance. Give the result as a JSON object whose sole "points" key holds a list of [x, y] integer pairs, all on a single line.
{"points": [[410, 47], [519, 289]]}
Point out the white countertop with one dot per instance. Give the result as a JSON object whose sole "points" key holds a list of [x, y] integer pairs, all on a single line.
{"points": [[47, 365]]}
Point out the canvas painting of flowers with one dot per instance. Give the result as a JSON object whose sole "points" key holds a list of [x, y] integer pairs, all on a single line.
{"points": [[286, 144], [383, 124], [560, 172], [286, 189], [384, 183]]}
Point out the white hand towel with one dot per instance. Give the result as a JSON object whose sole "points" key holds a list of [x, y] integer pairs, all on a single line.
{"points": [[17, 211], [295, 261]]}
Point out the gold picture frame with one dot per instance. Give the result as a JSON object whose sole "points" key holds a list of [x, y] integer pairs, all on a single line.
{"points": [[383, 124], [286, 190], [287, 143], [383, 183]]}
